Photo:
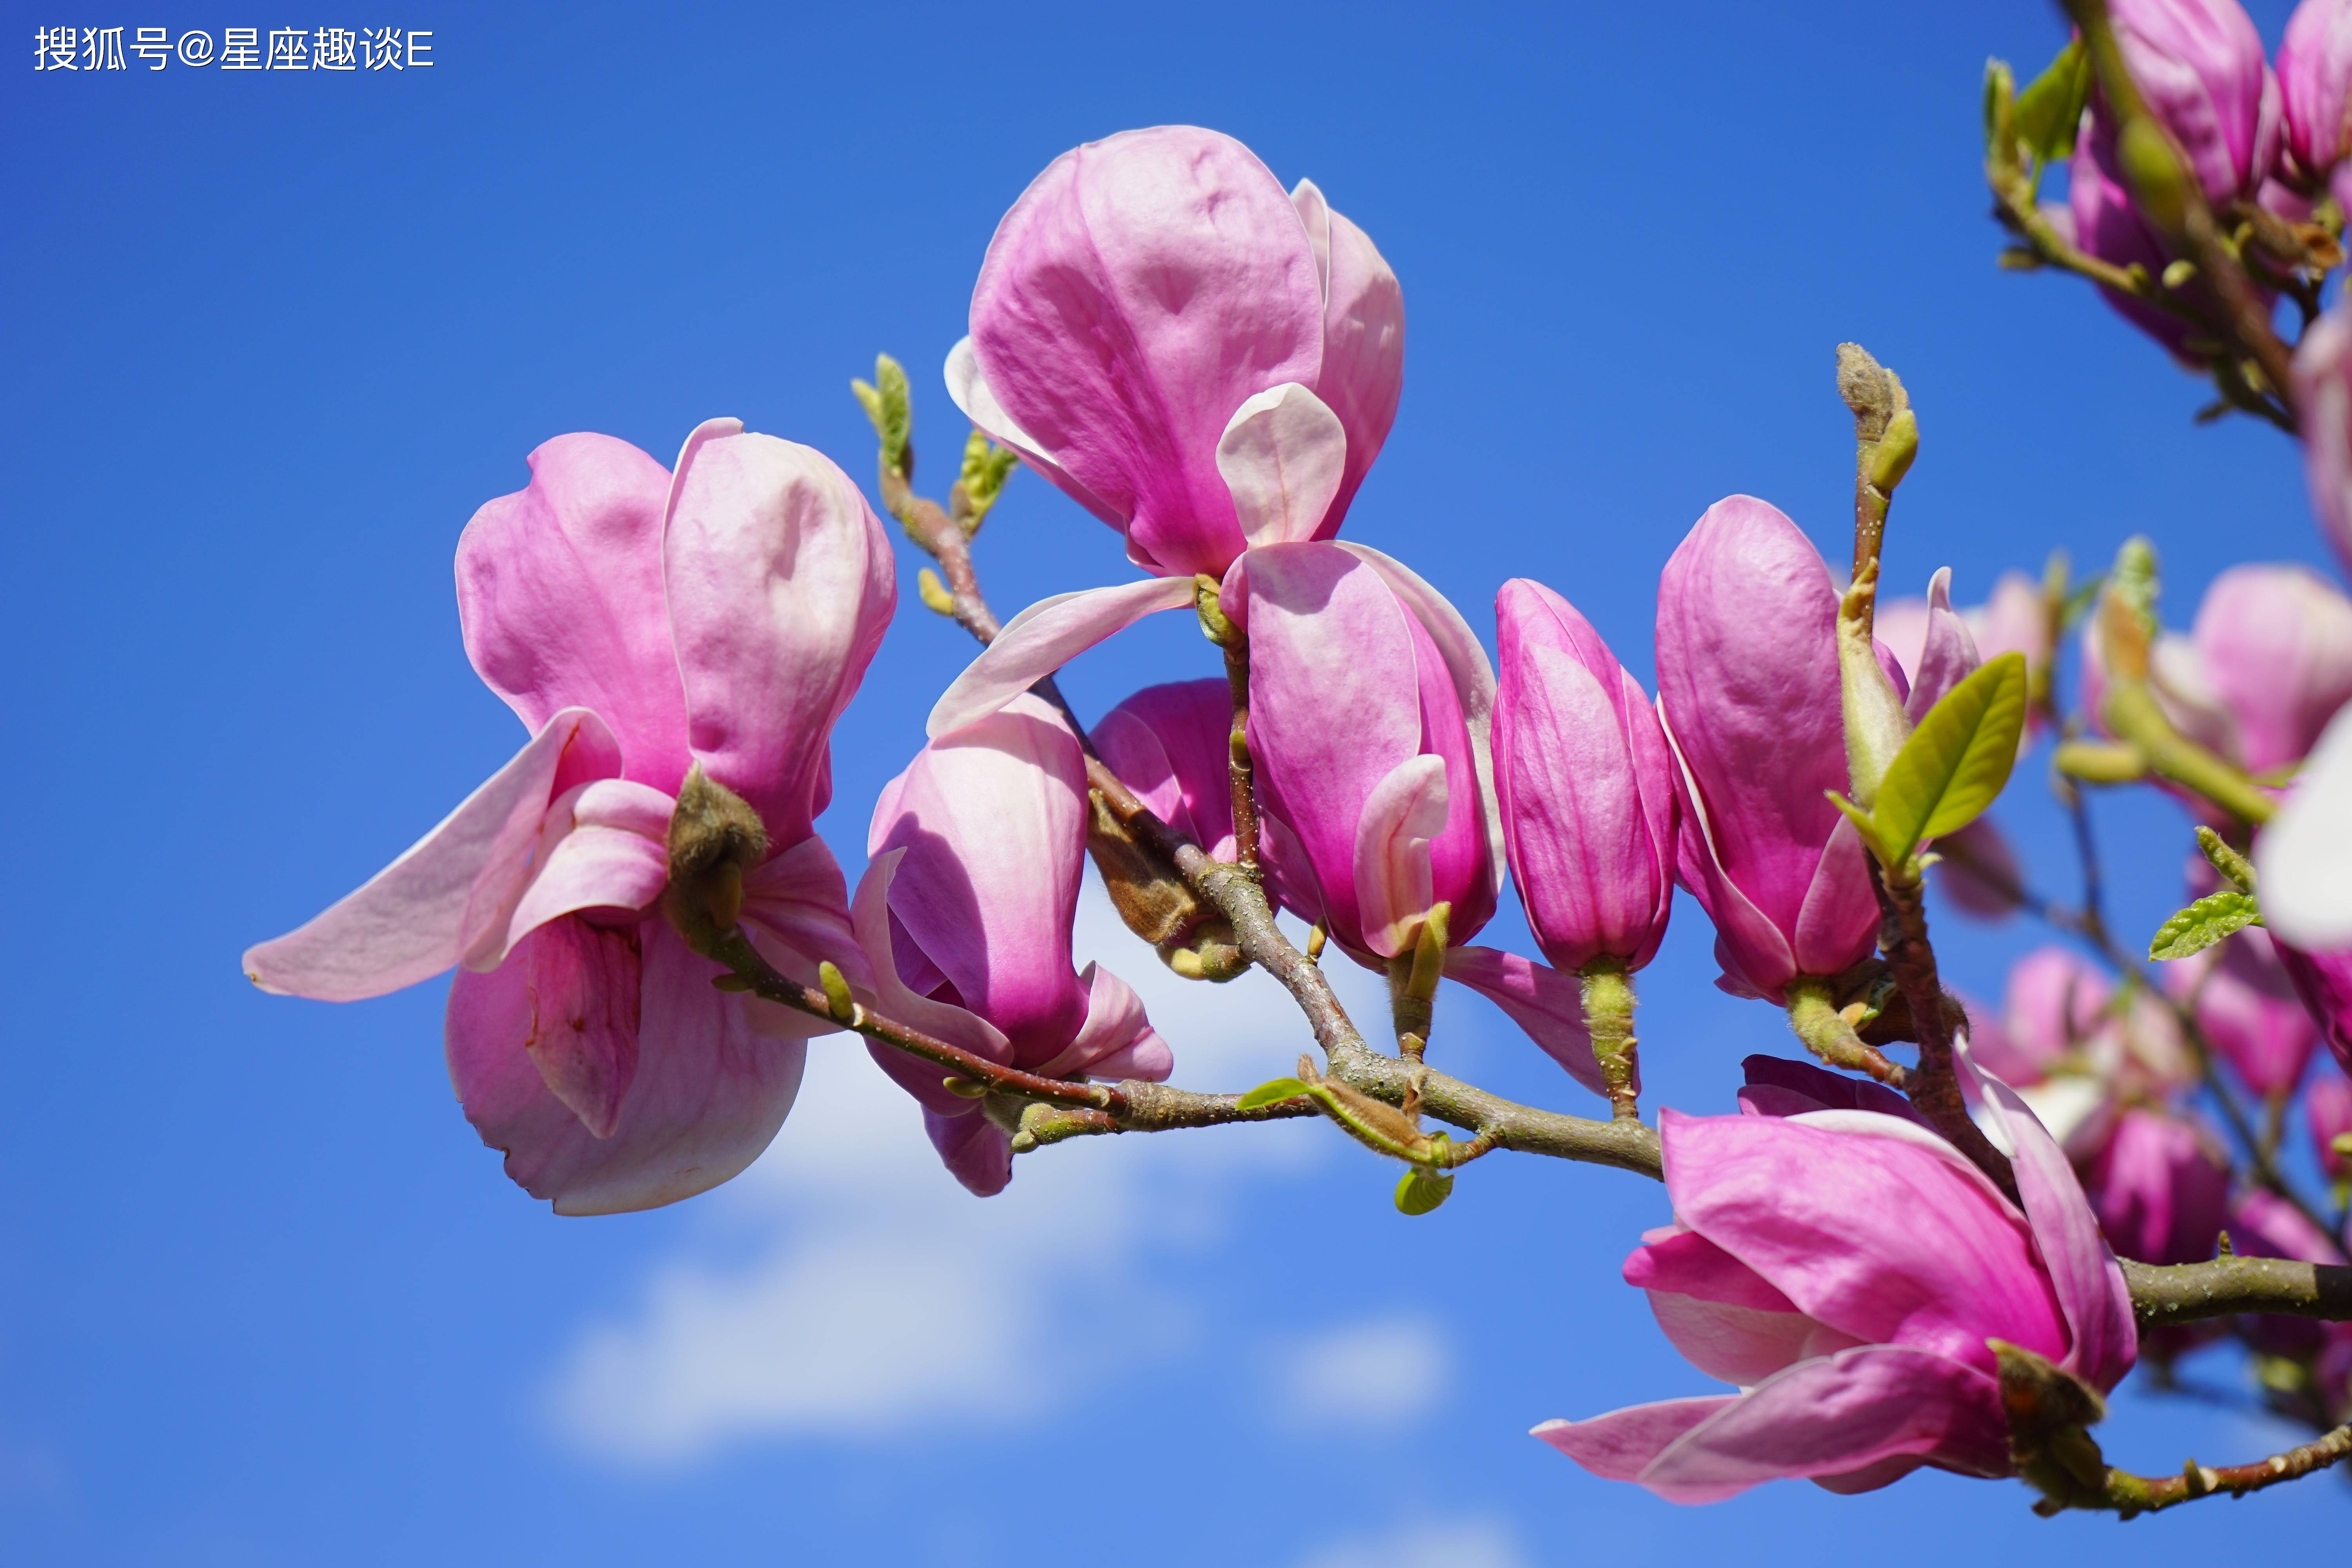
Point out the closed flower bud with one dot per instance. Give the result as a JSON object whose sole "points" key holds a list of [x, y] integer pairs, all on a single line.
{"points": [[2200, 67], [1585, 783], [2315, 78]]}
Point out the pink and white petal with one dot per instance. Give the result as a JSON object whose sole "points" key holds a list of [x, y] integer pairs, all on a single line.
{"points": [[1750, 949], [1363, 337], [976, 1151], [1113, 1040], [585, 990], [1542, 1001], [1679, 1261], [1393, 889], [1465, 662], [707, 1096], [1837, 1415], [1620, 1445], [602, 846], [1741, 1345], [781, 584], [801, 900], [2088, 1281], [970, 391], [424, 912], [1282, 456], [559, 595], [1044, 637], [2305, 854]]}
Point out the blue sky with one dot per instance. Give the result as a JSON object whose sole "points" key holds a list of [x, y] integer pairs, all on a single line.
{"points": [[264, 1299]]}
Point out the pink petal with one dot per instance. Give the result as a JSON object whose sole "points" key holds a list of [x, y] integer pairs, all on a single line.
{"points": [[559, 593], [1752, 951], [1403, 813], [796, 911], [992, 817], [1282, 456], [1620, 1445], [449, 891], [585, 994], [1044, 637], [1948, 654], [1800, 1201], [1172, 745], [1363, 338], [781, 584], [1818, 1089], [970, 392], [1837, 1415], [2304, 856], [2088, 1283], [976, 1151], [1117, 1041], [602, 845], [1542, 1001], [895, 1000], [1741, 1345], [1837, 925], [708, 1095]]}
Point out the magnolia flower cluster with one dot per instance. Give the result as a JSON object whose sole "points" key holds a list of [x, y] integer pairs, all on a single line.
{"points": [[1211, 365]]}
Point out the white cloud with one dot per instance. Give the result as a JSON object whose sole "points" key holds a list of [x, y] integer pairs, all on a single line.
{"points": [[1371, 1376], [1457, 1543], [878, 1294]]}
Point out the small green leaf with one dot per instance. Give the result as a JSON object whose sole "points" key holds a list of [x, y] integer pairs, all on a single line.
{"points": [[1955, 763], [1418, 1191], [1863, 824], [2203, 923], [2234, 867], [2050, 109], [2000, 89], [1272, 1092]]}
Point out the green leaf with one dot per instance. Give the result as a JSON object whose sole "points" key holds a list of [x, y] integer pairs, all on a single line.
{"points": [[1955, 763], [1418, 1191], [1272, 1092], [2203, 923], [1863, 824], [2049, 110]]}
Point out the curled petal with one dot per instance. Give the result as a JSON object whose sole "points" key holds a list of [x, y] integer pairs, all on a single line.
{"points": [[1117, 1041], [585, 994], [1403, 813], [796, 911], [1363, 337], [1741, 1345], [1620, 1445], [896, 1000], [602, 845], [1542, 1001], [781, 584], [1044, 637], [970, 392], [707, 1097], [451, 890], [2304, 856], [2088, 1283], [1947, 653], [976, 1151], [1282, 456]]}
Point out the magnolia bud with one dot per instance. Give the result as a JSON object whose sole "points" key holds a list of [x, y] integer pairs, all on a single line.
{"points": [[715, 837]]}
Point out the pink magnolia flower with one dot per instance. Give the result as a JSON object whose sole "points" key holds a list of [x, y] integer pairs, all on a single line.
{"points": [[966, 913], [1845, 1267], [1359, 723], [1153, 307], [1748, 693], [2324, 982], [2246, 1005], [2159, 1189], [638, 624], [2315, 77], [1585, 785], [2200, 66], [2323, 385], [2073, 1053]]}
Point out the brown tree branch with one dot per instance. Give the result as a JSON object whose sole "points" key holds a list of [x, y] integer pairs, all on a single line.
{"points": [[2190, 1292]]}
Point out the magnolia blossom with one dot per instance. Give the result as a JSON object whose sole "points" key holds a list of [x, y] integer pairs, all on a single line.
{"points": [[2200, 67], [1855, 1327], [1154, 310], [639, 624], [1585, 784], [2075, 1051], [1748, 693], [2315, 77], [2247, 1006], [966, 913], [2160, 1188], [1172, 745]]}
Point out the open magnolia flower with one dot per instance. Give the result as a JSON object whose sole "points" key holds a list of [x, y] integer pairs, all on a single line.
{"points": [[1847, 1269], [641, 625]]}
